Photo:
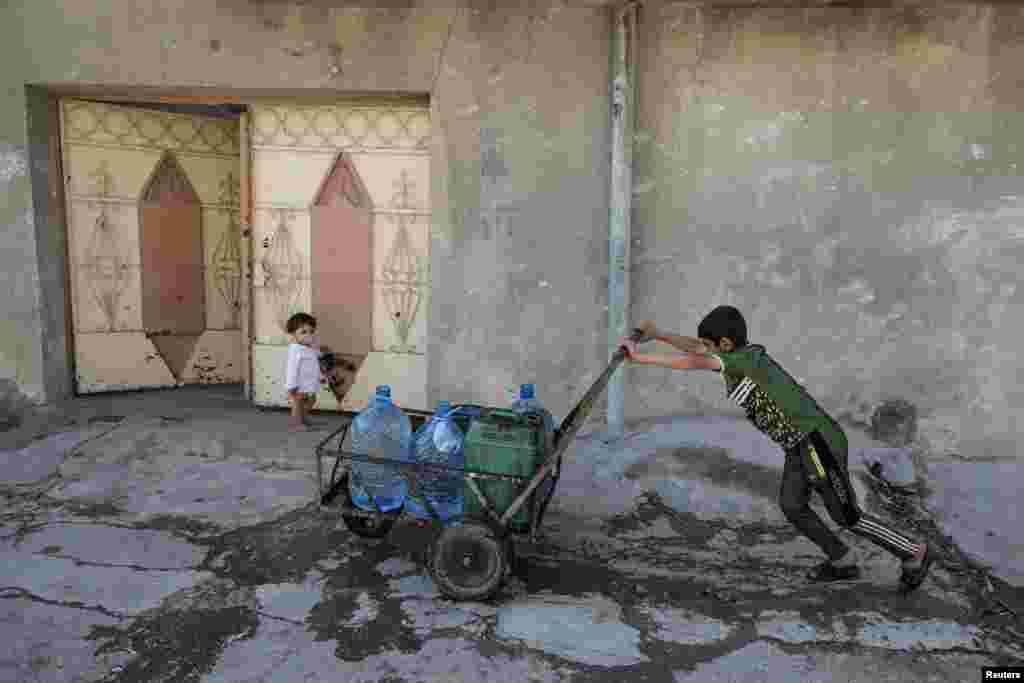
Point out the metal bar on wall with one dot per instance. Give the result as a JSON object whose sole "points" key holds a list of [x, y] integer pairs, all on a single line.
{"points": [[245, 287], [622, 117], [59, 217]]}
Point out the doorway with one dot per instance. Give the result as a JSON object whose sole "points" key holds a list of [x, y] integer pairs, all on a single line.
{"points": [[195, 231]]}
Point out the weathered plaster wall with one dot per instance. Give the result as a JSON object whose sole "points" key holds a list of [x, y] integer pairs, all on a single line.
{"points": [[851, 180], [20, 325], [521, 282], [520, 107]]}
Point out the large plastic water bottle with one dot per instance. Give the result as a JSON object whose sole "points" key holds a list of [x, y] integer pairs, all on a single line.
{"points": [[381, 430], [529, 403], [439, 442]]}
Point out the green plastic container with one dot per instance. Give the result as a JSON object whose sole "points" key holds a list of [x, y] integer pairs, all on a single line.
{"points": [[503, 442]]}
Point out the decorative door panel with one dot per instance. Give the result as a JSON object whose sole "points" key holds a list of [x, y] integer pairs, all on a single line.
{"points": [[401, 264], [341, 127], [216, 360], [405, 373], [340, 239], [281, 270], [383, 177], [268, 365], [104, 264], [341, 210], [400, 320], [214, 182], [91, 169], [171, 242], [222, 253], [172, 270], [289, 178], [120, 361], [142, 188]]}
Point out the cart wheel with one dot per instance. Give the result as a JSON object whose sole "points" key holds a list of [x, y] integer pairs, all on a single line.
{"points": [[468, 562], [369, 527], [377, 526]]}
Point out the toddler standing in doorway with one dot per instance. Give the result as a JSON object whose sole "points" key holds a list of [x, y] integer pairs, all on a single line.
{"points": [[302, 376]]}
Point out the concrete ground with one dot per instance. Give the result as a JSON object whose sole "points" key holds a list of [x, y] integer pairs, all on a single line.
{"points": [[175, 536]]}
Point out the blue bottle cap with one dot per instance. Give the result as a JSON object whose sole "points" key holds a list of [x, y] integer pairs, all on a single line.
{"points": [[443, 408], [526, 391], [384, 391]]}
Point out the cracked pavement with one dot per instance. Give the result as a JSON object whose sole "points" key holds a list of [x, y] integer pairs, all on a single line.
{"points": [[174, 536]]}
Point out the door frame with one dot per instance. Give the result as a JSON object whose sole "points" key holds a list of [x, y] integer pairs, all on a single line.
{"points": [[54, 179]]}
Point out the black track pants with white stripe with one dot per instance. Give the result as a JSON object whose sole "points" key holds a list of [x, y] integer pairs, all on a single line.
{"points": [[800, 470]]}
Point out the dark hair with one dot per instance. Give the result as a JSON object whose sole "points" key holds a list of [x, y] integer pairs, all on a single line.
{"points": [[724, 321], [298, 320]]}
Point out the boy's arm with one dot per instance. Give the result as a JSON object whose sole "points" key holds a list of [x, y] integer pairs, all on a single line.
{"points": [[684, 344], [686, 361]]}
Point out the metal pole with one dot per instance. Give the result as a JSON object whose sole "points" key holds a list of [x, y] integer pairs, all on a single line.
{"points": [[620, 206]]}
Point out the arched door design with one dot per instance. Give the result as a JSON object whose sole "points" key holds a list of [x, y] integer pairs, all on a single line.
{"points": [[171, 248], [341, 253]]}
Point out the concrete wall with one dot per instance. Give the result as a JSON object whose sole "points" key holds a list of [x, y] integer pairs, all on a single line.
{"points": [[851, 180], [521, 284], [519, 103]]}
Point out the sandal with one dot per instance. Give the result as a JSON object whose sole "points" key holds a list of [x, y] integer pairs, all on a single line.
{"points": [[826, 571], [912, 578]]}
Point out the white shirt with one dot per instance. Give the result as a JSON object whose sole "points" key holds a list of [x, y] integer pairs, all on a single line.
{"points": [[303, 373]]}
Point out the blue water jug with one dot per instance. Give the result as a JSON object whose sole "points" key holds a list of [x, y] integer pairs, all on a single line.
{"points": [[439, 442], [381, 430], [528, 403]]}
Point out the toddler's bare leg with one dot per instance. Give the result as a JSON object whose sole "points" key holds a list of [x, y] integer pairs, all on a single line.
{"points": [[298, 403]]}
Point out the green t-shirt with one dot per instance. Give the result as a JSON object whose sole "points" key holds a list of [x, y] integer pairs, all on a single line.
{"points": [[775, 402]]}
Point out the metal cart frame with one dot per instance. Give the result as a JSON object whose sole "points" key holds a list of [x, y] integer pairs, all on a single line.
{"points": [[470, 557]]}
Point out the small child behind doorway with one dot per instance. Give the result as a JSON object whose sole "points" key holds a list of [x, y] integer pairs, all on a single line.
{"points": [[303, 373]]}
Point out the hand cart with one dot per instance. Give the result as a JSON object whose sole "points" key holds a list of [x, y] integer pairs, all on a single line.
{"points": [[470, 557]]}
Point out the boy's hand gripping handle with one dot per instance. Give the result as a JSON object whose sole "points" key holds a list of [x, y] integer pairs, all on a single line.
{"points": [[635, 335]]}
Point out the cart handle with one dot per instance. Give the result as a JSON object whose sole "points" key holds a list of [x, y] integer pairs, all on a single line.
{"points": [[574, 420], [636, 334], [343, 430]]}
